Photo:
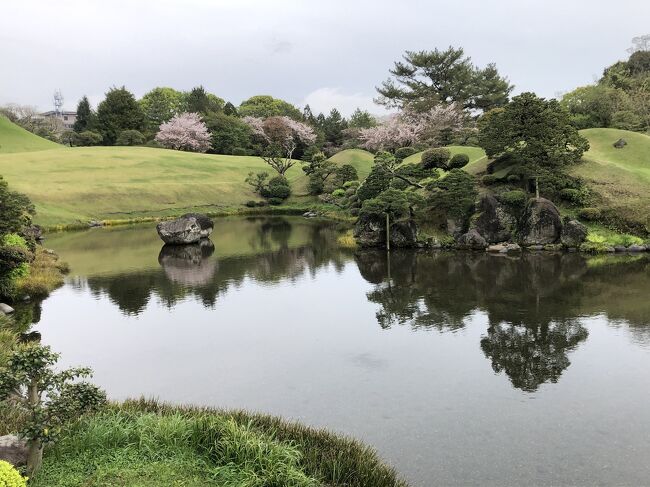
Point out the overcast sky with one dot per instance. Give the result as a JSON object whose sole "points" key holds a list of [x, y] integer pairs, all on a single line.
{"points": [[325, 53]]}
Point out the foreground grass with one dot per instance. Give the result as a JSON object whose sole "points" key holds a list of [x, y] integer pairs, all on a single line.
{"points": [[143, 443]]}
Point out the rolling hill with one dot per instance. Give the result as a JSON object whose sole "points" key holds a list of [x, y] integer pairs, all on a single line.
{"points": [[620, 178], [16, 139]]}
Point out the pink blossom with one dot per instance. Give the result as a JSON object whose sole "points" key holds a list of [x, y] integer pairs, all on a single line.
{"points": [[184, 131]]}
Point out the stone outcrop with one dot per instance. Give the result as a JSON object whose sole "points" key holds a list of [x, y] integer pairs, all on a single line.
{"points": [[13, 450], [620, 143], [189, 228], [370, 231], [472, 240], [541, 223], [5, 309], [573, 234], [492, 221]]}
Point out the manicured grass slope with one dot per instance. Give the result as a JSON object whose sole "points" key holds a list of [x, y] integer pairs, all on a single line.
{"points": [[16, 139], [619, 177], [362, 160]]}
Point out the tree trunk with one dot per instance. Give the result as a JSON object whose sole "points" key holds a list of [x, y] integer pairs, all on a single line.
{"points": [[34, 457]]}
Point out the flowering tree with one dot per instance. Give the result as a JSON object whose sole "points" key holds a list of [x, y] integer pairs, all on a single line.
{"points": [[409, 127], [184, 131], [280, 137]]}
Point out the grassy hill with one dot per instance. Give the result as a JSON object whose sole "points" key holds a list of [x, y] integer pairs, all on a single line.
{"points": [[620, 178], [361, 160], [16, 139]]}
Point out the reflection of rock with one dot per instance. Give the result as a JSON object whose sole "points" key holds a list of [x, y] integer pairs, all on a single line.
{"points": [[370, 231], [189, 264], [187, 229], [542, 223]]}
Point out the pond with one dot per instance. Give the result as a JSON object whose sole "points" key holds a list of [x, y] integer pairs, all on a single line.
{"points": [[458, 368]]}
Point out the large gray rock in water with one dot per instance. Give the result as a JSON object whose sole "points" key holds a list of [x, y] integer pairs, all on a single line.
{"points": [[541, 223], [189, 228], [371, 232], [492, 221], [472, 240], [13, 450], [573, 233]]}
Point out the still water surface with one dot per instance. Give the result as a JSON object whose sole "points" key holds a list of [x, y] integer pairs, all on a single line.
{"points": [[461, 369]]}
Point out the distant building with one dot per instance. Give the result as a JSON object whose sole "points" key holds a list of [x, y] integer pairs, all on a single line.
{"points": [[68, 118]]}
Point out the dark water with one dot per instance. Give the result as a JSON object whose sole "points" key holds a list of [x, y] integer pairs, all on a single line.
{"points": [[461, 369]]}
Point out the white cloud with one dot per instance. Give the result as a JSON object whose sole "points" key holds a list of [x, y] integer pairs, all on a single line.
{"points": [[326, 98]]}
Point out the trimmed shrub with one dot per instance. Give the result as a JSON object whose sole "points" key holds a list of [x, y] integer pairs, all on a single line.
{"points": [[351, 184], [489, 179], [86, 138], [590, 214], [515, 199], [239, 151], [571, 195], [251, 203], [403, 152], [345, 173], [338, 193], [9, 476], [458, 161], [436, 158], [377, 181], [130, 137], [278, 187], [275, 201], [513, 178]]}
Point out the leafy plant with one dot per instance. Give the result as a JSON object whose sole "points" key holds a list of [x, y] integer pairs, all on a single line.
{"points": [[49, 398]]}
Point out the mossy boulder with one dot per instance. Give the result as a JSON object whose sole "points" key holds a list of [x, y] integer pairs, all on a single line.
{"points": [[370, 231], [492, 221], [573, 233], [541, 223]]}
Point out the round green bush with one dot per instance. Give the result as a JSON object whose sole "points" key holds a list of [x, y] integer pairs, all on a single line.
{"points": [[239, 151], [513, 178], [130, 137], [275, 201], [338, 193], [9, 476], [571, 195], [351, 184], [489, 179], [516, 198], [458, 161], [403, 152], [278, 187], [251, 203], [14, 240], [435, 158], [590, 214]]}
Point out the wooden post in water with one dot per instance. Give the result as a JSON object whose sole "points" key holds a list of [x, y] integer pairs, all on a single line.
{"points": [[387, 232]]}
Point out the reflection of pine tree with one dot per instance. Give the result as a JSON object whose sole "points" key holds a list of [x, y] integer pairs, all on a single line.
{"points": [[531, 356]]}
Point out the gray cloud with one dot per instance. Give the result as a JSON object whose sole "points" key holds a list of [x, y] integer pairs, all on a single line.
{"points": [[332, 52]]}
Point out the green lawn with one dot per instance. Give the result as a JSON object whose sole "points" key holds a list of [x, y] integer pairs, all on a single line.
{"points": [[362, 160], [619, 177], [16, 139]]}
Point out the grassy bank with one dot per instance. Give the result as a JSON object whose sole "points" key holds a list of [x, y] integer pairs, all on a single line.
{"points": [[144, 443]]}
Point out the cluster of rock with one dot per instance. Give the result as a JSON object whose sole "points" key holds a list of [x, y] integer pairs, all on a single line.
{"points": [[187, 229], [370, 231], [540, 227]]}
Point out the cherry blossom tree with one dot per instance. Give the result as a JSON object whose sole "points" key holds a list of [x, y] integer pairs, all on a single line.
{"points": [[280, 136], [409, 127], [184, 131]]}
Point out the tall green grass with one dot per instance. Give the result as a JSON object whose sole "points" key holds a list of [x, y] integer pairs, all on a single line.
{"points": [[144, 443]]}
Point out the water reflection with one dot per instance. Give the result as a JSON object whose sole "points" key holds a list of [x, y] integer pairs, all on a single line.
{"points": [[534, 303]]}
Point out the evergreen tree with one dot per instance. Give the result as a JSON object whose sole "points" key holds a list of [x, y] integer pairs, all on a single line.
{"points": [[361, 119], [85, 116], [334, 126], [229, 109], [200, 101], [117, 112]]}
